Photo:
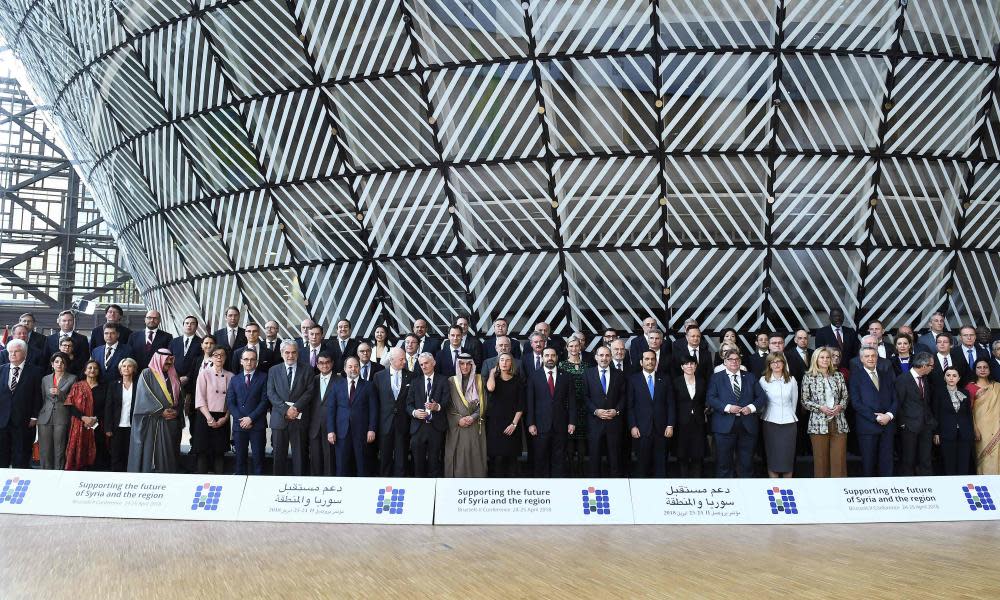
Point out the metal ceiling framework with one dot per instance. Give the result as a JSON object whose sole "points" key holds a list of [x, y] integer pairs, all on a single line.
{"points": [[744, 162]]}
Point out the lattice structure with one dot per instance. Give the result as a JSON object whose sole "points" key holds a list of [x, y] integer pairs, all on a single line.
{"points": [[743, 162]]}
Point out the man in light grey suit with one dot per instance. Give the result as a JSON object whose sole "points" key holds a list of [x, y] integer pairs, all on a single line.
{"points": [[321, 460], [503, 345], [290, 388], [391, 387]]}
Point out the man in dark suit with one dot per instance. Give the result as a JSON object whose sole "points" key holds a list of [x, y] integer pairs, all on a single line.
{"points": [[113, 316], [970, 351], [247, 401], [321, 455], [883, 346], [873, 397], [111, 353], [447, 357], [351, 420], [503, 345], [67, 324], [682, 344], [391, 388], [927, 342], [651, 415], [799, 355], [549, 421], [366, 368], [869, 341], [549, 340], [737, 401], [265, 358], [314, 346], [36, 341], [501, 327], [640, 343], [692, 344], [620, 359], [20, 403], [271, 341], [426, 402], [231, 336], [947, 356], [342, 345], [984, 340], [187, 361], [914, 391], [605, 393], [425, 341], [470, 343], [35, 357], [290, 389], [148, 340], [837, 335], [531, 358], [303, 340], [661, 352]]}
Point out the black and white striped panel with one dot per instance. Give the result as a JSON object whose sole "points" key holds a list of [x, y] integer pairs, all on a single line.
{"points": [[976, 292], [123, 83], [904, 286], [274, 293], [806, 283], [449, 32], [524, 288], [613, 288], [719, 287], [296, 135], [179, 301], [966, 28], [138, 16], [99, 130], [349, 38], [407, 214], [216, 293], [198, 240], [605, 26], [321, 221], [343, 291], [918, 201], [167, 167], [982, 219], [130, 185], [220, 151], [427, 288], [250, 230], [720, 23], [91, 25], [866, 25], [155, 232]]}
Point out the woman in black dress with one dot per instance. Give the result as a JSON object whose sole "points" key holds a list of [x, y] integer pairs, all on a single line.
{"points": [[506, 401], [689, 432]]}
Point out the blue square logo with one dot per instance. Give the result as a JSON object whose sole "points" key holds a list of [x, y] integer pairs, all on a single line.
{"points": [[978, 497], [390, 501], [595, 501], [14, 490], [782, 501], [206, 497]]}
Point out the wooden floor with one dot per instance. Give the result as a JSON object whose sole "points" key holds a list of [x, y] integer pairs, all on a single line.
{"points": [[52, 557]]}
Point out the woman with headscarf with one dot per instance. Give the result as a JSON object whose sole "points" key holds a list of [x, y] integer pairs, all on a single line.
{"points": [[465, 448], [156, 418]]}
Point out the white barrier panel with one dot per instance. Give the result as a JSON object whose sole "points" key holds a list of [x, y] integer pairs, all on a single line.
{"points": [[29, 491], [533, 502], [382, 500], [150, 496], [787, 501]]}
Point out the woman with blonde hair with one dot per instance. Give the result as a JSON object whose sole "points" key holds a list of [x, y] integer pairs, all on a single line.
{"points": [[824, 395], [779, 421]]}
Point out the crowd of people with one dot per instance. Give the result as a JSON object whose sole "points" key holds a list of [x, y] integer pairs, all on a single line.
{"points": [[461, 406]]}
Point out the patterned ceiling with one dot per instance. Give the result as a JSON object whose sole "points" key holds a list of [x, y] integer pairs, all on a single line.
{"points": [[743, 162]]}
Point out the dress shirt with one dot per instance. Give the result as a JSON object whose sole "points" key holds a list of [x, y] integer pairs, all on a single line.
{"points": [[782, 398], [324, 380], [125, 420], [739, 376], [10, 373]]}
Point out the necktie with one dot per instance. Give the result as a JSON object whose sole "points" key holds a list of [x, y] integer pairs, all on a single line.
{"points": [[945, 362], [552, 385], [737, 390], [920, 384], [395, 384], [13, 379], [187, 344], [364, 372], [312, 358], [604, 381], [350, 393], [429, 414], [107, 356], [538, 362], [840, 338], [248, 379], [649, 384], [409, 362], [289, 377], [456, 360], [343, 346], [149, 341], [694, 353], [874, 377], [270, 346], [972, 360], [232, 338], [618, 366]]}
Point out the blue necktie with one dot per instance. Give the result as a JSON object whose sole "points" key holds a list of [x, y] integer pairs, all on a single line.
{"points": [[649, 382], [604, 381], [972, 360]]}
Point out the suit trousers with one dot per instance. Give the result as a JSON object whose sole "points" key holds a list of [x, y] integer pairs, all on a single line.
{"points": [[392, 448], [829, 452], [914, 453], [321, 459], [350, 454], [294, 435], [876, 452], [738, 442], [118, 446], [550, 454], [610, 438], [427, 446], [956, 454], [52, 446], [652, 452], [256, 440], [12, 446]]}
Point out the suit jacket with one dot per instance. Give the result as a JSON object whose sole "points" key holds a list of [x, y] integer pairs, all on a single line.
{"points": [[915, 412], [852, 345], [880, 364], [373, 369], [391, 410], [97, 335], [554, 342], [706, 362], [17, 407], [796, 366], [955, 359], [188, 365], [528, 363], [81, 349], [319, 407], [430, 344], [113, 404], [222, 339], [977, 354], [35, 358], [351, 349], [416, 397], [491, 363], [490, 347], [551, 412], [868, 400], [756, 363], [636, 348], [265, 358], [596, 398], [680, 346], [651, 414], [927, 342], [253, 402], [690, 411], [37, 341], [305, 356], [109, 372], [445, 361], [279, 394], [137, 341], [351, 418], [952, 424], [49, 414], [720, 393]]}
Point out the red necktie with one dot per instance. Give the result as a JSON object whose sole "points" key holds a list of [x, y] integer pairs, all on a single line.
{"points": [[840, 338], [920, 384], [552, 385], [350, 394], [149, 342], [248, 381]]}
